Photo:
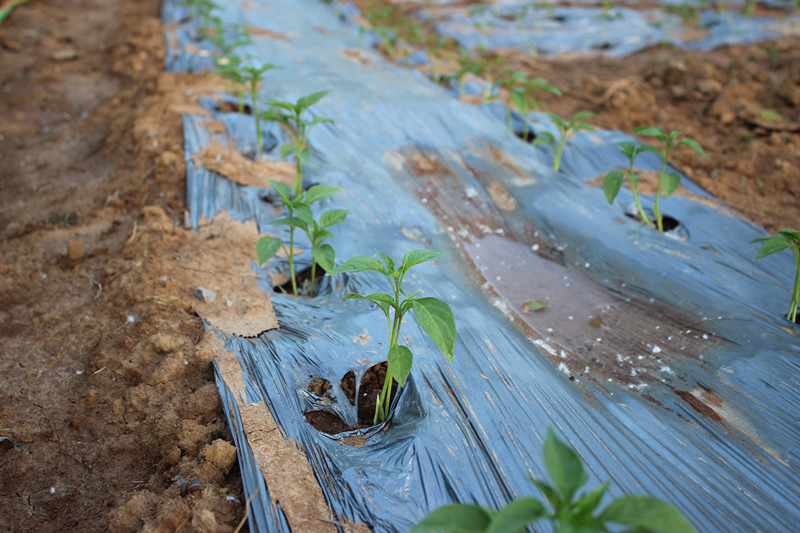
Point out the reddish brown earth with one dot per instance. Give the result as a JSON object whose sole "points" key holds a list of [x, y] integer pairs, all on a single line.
{"points": [[105, 398]]}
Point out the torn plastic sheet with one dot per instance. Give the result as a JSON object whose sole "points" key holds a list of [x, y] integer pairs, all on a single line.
{"points": [[723, 450]]}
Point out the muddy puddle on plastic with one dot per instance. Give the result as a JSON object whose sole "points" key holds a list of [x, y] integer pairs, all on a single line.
{"points": [[588, 333]]}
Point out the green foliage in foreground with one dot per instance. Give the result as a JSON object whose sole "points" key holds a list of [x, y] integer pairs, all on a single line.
{"points": [[612, 183], [569, 511], [433, 315], [782, 240]]}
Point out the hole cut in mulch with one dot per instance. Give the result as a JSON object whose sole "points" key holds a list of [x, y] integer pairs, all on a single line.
{"points": [[368, 391], [233, 107], [527, 137], [668, 222], [303, 282]]}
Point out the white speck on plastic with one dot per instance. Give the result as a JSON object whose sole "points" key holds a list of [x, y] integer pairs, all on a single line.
{"points": [[570, 317], [586, 265], [79, 372], [535, 247], [44, 276], [656, 349], [471, 192], [705, 336], [52, 490]]}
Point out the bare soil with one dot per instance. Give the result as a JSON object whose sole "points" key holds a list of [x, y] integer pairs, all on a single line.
{"points": [[109, 416]]}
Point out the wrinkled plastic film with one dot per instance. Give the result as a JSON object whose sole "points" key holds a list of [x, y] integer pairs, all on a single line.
{"points": [[473, 431]]}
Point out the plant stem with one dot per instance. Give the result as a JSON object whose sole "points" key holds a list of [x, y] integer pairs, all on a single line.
{"points": [[656, 210], [642, 215], [313, 274], [796, 293], [559, 150], [382, 406], [258, 122]]}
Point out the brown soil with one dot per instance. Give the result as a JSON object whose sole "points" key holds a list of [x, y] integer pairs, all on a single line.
{"points": [[368, 391], [109, 416]]}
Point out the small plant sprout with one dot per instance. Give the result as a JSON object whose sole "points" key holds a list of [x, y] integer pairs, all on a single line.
{"points": [[570, 511], [204, 9], [525, 97], [785, 238], [466, 64], [285, 112], [668, 181], [252, 79], [301, 216], [433, 315], [612, 183], [566, 131], [230, 69], [239, 36]]}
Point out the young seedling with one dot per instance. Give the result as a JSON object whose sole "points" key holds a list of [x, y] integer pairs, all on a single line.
{"points": [[230, 68], [566, 131], [239, 36], [569, 511], [466, 64], [785, 238], [525, 97], [433, 315], [204, 9], [668, 181], [285, 112], [612, 183], [252, 79], [301, 216]]}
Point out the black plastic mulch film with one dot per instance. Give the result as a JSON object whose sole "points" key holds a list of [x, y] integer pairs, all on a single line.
{"points": [[716, 433]]}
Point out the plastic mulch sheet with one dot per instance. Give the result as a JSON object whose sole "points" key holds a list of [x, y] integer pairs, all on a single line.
{"points": [[712, 428]]}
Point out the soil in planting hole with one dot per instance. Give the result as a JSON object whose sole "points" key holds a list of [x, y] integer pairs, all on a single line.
{"points": [[319, 386], [233, 107], [303, 282], [349, 386], [368, 392], [668, 222]]}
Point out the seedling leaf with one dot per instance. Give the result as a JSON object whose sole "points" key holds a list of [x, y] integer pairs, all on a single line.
{"points": [[564, 466], [292, 222], [772, 245], [454, 518], [283, 190], [304, 155], [307, 101], [333, 217], [516, 515], [319, 192], [671, 181], [651, 131], [287, 150], [388, 261], [266, 247], [419, 256], [647, 512], [436, 319], [359, 264], [612, 184], [400, 360], [694, 145], [324, 256]]}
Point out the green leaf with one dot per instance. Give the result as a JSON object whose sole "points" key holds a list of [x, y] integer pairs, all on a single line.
{"points": [[419, 256], [535, 305], [283, 190], [612, 184], [516, 515], [651, 149], [591, 501], [581, 115], [307, 101], [650, 131], [304, 213], [564, 466], [266, 247], [400, 361], [287, 150], [770, 115], [324, 256], [332, 217], [388, 261], [627, 147], [544, 137], [694, 145], [319, 192], [359, 264], [647, 512], [304, 155], [791, 234], [670, 181], [436, 319], [772, 245], [292, 222], [280, 104], [549, 492], [454, 518]]}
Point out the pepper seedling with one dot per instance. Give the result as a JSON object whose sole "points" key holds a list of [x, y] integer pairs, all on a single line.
{"points": [[203, 9], [286, 112], [466, 64], [570, 511], [433, 315], [230, 68], [238, 33], [301, 216], [566, 131], [668, 181], [525, 97], [785, 238], [252, 78], [612, 182]]}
